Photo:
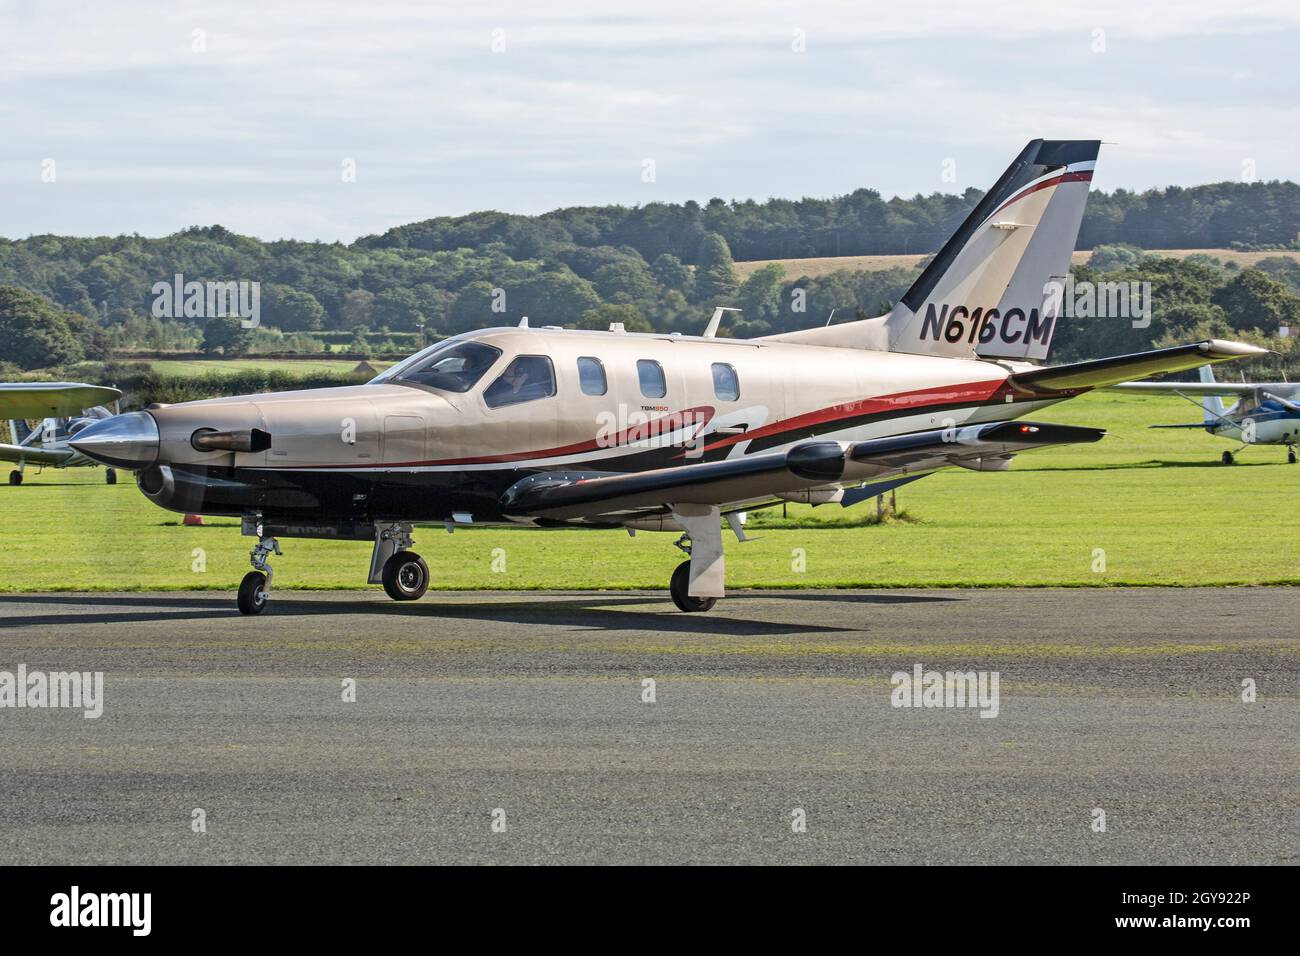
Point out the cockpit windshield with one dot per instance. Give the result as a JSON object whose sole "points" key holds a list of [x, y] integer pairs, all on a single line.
{"points": [[451, 366]]}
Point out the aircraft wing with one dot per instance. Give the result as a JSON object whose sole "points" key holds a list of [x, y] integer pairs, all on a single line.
{"points": [[34, 456], [1125, 368], [612, 496], [51, 399]]}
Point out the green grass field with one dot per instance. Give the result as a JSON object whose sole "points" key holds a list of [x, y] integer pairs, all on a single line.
{"points": [[1158, 503]]}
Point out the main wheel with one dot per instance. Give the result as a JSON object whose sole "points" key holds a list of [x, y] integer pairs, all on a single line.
{"points": [[110, 476], [1290, 456], [406, 576], [680, 585], [1227, 458], [252, 593], [15, 477]]}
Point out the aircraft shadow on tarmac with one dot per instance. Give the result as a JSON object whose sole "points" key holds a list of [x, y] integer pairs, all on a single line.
{"points": [[585, 611]]}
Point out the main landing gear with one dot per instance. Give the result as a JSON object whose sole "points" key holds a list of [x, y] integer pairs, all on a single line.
{"points": [[679, 587], [1228, 458], [393, 564], [15, 477], [406, 576], [110, 476], [697, 584]]}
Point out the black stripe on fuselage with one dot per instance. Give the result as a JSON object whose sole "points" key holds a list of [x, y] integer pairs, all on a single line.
{"points": [[437, 495]]}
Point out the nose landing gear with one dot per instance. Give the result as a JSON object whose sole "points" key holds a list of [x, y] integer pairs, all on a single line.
{"points": [[256, 586]]}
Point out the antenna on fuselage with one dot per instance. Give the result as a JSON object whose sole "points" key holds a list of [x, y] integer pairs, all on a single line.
{"points": [[523, 323], [711, 330]]}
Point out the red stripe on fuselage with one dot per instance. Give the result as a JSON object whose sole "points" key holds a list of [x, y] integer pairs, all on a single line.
{"points": [[968, 393], [1080, 177], [963, 394]]}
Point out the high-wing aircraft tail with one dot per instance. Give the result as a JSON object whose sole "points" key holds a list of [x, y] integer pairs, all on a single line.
{"points": [[1212, 403], [995, 287]]}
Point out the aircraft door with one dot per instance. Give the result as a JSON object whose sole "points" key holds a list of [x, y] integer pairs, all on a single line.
{"points": [[405, 439]]}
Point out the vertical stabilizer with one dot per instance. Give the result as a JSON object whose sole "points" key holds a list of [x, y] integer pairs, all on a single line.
{"points": [[994, 289], [1212, 404]]}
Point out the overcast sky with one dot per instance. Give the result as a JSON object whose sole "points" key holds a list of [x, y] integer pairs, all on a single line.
{"points": [[153, 116]]}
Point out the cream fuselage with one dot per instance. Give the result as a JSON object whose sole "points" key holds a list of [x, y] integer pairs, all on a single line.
{"points": [[392, 451]]}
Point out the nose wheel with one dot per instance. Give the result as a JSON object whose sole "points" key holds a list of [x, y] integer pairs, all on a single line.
{"points": [[256, 586], [406, 576], [252, 593]]}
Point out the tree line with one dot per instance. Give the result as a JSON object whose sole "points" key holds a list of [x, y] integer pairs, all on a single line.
{"points": [[654, 267]]}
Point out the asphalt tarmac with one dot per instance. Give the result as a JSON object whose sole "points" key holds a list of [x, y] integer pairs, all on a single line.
{"points": [[515, 728]]}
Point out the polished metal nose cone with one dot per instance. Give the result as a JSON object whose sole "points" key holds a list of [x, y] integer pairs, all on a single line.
{"points": [[123, 441]]}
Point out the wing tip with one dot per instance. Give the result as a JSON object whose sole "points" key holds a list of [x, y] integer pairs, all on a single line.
{"points": [[1227, 348]]}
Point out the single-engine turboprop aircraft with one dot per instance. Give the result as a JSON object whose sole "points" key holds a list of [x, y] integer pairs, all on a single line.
{"points": [[555, 427], [1265, 413], [64, 408]]}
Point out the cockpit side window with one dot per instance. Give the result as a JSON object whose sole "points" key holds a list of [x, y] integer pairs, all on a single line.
{"points": [[526, 378], [449, 366]]}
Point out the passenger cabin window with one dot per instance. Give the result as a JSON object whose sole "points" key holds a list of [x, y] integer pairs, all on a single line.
{"points": [[651, 374], [726, 386], [527, 378], [591, 376], [449, 366]]}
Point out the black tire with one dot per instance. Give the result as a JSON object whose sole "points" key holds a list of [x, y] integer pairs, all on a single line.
{"points": [[252, 593], [406, 576], [110, 476], [15, 477], [678, 587], [1290, 456], [1227, 458]]}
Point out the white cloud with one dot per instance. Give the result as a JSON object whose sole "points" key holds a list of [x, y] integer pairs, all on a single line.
{"points": [[251, 131]]}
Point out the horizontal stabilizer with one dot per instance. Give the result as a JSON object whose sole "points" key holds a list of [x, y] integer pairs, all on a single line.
{"points": [[1184, 388], [1123, 368]]}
